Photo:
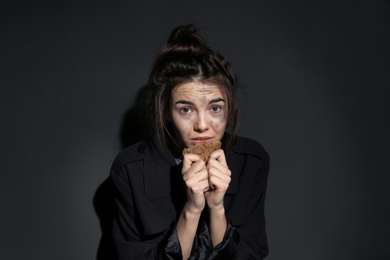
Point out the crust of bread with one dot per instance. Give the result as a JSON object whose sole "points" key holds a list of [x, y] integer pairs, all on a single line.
{"points": [[203, 149]]}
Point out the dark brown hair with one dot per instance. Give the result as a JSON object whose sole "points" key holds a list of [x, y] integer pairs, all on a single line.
{"points": [[186, 57]]}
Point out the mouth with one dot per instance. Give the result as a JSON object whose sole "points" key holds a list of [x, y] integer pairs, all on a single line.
{"points": [[202, 139]]}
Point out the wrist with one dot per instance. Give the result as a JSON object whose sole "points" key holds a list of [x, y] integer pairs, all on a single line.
{"points": [[217, 210], [191, 212], [218, 225]]}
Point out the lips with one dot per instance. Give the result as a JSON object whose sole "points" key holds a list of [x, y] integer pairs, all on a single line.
{"points": [[202, 139]]}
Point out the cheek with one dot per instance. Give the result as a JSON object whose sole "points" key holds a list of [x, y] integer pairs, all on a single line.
{"points": [[219, 121], [181, 124]]}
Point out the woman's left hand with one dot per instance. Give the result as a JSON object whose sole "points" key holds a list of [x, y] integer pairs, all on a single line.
{"points": [[219, 179]]}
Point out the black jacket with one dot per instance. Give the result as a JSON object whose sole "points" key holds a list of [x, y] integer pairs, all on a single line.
{"points": [[150, 194]]}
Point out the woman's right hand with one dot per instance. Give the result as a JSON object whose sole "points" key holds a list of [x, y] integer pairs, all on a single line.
{"points": [[195, 176]]}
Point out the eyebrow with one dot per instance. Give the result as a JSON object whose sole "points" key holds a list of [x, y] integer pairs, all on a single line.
{"points": [[186, 102]]}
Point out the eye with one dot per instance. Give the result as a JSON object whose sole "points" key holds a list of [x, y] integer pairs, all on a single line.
{"points": [[216, 109], [185, 110]]}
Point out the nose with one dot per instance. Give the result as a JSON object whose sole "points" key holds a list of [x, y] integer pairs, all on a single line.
{"points": [[201, 123]]}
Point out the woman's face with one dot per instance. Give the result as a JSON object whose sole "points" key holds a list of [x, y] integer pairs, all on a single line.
{"points": [[198, 113]]}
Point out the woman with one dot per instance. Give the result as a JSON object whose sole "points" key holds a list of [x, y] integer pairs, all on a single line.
{"points": [[174, 206]]}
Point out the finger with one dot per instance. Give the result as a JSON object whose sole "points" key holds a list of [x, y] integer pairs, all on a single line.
{"points": [[219, 155], [189, 159], [218, 184], [192, 179], [190, 167], [214, 164], [218, 179], [214, 173], [199, 182]]}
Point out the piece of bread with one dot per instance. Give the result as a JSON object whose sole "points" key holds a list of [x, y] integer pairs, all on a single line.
{"points": [[203, 149]]}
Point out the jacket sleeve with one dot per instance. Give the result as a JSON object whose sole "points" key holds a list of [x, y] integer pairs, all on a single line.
{"points": [[227, 249], [127, 228]]}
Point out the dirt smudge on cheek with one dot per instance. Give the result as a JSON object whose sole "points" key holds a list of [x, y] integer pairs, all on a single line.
{"points": [[219, 121]]}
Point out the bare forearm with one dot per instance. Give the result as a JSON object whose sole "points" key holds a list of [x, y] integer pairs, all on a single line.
{"points": [[218, 225], [186, 230]]}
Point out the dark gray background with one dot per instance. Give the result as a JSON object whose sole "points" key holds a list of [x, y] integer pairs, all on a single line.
{"points": [[315, 90]]}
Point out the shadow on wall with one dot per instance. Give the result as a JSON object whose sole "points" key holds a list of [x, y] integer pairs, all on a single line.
{"points": [[132, 131]]}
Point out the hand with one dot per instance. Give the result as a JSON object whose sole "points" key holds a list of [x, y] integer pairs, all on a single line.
{"points": [[195, 176], [219, 179]]}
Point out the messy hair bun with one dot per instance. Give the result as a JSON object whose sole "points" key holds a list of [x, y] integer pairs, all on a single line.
{"points": [[186, 57], [185, 39]]}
